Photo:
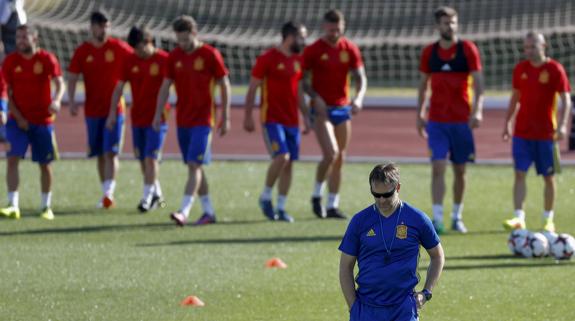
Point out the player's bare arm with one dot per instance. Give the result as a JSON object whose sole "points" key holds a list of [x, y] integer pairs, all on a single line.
{"points": [[304, 109], [59, 93], [225, 92], [477, 109], [15, 112], [511, 112], [360, 88], [112, 116], [163, 95], [346, 280], [437, 260], [249, 124], [421, 101], [566, 109], [318, 104], [72, 81]]}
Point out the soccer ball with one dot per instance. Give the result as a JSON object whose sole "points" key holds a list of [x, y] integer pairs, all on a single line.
{"points": [[539, 245], [551, 237], [563, 247], [518, 240]]}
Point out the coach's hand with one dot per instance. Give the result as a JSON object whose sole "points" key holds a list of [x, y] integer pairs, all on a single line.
{"points": [[73, 109], [506, 132], [420, 123], [249, 125], [356, 106], [22, 123], [475, 120], [55, 106], [419, 299], [111, 121]]}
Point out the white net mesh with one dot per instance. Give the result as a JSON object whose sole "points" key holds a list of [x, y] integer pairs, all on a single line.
{"points": [[390, 33]]}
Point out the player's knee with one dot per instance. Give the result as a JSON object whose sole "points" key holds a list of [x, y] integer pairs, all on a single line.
{"points": [[520, 176], [281, 159], [13, 161]]}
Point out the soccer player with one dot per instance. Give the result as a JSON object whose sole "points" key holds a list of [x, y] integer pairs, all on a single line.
{"points": [[384, 240], [100, 61], [3, 108], [29, 72], [194, 68], [447, 66], [536, 83], [329, 61], [278, 71], [144, 70]]}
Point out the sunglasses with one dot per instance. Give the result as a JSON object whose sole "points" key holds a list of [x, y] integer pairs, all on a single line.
{"points": [[384, 195]]}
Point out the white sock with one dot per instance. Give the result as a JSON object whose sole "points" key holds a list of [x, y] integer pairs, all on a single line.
{"points": [[46, 200], [520, 214], [207, 205], [157, 188], [109, 186], [457, 213], [437, 210], [332, 201], [548, 214], [282, 199], [187, 203], [147, 195], [318, 189], [13, 199], [266, 194]]}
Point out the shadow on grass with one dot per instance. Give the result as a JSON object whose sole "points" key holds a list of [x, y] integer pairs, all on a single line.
{"points": [[540, 263], [484, 257], [488, 232], [88, 229], [287, 239]]}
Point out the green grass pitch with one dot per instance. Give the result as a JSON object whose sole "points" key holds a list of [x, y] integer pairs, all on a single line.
{"points": [[91, 264]]}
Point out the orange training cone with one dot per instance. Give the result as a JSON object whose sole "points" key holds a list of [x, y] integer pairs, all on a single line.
{"points": [[193, 301], [276, 263]]}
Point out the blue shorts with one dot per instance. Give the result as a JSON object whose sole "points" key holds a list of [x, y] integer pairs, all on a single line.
{"points": [[544, 153], [281, 139], [195, 144], [406, 311], [102, 140], [336, 114], [147, 142], [453, 138], [40, 137]]}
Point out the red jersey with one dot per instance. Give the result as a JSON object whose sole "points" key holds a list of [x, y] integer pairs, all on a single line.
{"points": [[3, 87], [451, 81], [29, 80], [538, 88], [281, 75], [101, 68], [145, 77], [330, 67], [194, 75]]}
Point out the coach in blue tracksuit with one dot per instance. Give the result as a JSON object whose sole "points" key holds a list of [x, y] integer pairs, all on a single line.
{"points": [[384, 239]]}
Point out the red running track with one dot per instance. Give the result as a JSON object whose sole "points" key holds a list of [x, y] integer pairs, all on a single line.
{"points": [[377, 133]]}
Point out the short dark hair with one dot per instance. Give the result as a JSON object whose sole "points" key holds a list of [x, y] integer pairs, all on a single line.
{"points": [[387, 173], [138, 35], [99, 17], [29, 29], [290, 28], [184, 23], [333, 16], [444, 12]]}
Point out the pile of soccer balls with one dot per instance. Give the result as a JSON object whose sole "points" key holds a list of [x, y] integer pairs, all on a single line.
{"points": [[528, 244]]}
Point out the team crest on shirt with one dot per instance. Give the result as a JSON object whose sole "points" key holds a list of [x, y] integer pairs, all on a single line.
{"points": [[296, 66], [179, 64], [38, 68], [90, 58], [18, 69], [199, 64], [135, 69], [109, 55], [281, 66], [344, 57], [401, 231], [523, 76], [544, 77], [324, 57], [154, 69], [370, 233]]}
